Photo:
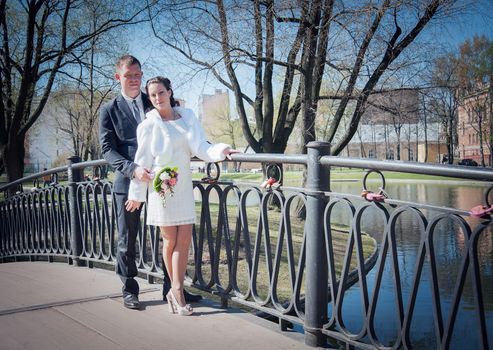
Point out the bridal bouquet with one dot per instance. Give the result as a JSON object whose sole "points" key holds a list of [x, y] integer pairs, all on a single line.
{"points": [[164, 181]]}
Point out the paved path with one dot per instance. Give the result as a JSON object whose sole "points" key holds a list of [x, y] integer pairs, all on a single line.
{"points": [[58, 306]]}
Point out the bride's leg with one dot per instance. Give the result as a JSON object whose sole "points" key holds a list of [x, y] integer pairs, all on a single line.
{"points": [[169, 234], [180, 260]]}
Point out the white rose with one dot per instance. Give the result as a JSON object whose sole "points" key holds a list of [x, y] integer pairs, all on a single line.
{"points": [[164, 176]]}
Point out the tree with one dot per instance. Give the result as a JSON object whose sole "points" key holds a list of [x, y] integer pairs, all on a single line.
{"points": [[444, 99], [40, 41], [77, 115], [298, 44], [79, 103], [424, 119], [397, 108], [225, 128], [474, 64]]}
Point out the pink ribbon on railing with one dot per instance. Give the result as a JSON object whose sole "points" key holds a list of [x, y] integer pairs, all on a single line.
{"points": [[481, 211], [372, 196]]}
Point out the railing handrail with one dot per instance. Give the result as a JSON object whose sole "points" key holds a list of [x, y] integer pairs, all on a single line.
{"points": [[82, 165], [446, 170]]}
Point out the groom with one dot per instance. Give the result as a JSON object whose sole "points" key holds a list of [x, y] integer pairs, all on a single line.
{"points": [[118, 136]]}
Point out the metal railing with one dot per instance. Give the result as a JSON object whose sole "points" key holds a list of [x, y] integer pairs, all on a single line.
{"points": [[249, 246]]}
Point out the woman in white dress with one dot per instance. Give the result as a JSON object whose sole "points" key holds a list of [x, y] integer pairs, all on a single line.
{"points": [[168, 137]]}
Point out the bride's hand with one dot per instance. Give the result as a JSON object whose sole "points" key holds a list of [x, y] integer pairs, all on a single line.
{"points": [[228, 152], [132, 205]]}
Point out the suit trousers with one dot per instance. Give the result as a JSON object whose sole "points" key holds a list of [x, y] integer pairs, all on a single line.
{"points": [[128, 226]]}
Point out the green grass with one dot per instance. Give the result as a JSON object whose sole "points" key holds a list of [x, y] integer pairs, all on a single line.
{"points": [[293, 178]]}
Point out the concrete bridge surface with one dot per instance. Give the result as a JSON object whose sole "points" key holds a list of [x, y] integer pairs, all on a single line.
{"points": [[58, 306]]}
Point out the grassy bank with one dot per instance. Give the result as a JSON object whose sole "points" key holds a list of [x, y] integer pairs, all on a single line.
{"points": [[293, 178]]}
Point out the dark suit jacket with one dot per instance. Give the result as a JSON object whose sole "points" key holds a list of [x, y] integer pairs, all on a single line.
{"points": [[118, 138]]}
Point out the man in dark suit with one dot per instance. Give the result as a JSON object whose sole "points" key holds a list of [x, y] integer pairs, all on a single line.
{"points": [[118, 136]]}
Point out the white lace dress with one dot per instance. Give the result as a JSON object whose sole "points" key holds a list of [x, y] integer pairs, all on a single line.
{"points": [[171, 144]]}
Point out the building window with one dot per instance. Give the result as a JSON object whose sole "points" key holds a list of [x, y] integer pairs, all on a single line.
{"points": [[371, 153], [411, 154]]}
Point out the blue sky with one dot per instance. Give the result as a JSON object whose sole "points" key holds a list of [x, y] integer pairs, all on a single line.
{"points": [[477, 20], [447, 33]]}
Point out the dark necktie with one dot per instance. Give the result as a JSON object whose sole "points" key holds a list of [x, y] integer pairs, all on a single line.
{"points": [[136, 111]]}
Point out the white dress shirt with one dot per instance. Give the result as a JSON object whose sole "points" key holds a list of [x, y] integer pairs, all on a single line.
{"points": [[140, 104]]}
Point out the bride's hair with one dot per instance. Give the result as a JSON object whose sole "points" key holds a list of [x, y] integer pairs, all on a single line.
{"points": [[167, 84]]}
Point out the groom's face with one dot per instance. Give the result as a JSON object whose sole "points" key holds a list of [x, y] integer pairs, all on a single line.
{"points": [[130, 78]]}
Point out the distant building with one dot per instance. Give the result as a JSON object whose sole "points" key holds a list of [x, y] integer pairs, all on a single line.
{"points": [[214, 110], [475, 127], [46, 142]]}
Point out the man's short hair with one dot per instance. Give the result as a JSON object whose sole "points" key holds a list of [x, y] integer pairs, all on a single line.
{"points": [[126, 61]]}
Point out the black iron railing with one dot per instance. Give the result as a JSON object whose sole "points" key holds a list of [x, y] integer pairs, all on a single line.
{"points": [[311, 274]]}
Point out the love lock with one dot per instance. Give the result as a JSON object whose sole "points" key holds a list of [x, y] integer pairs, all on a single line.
{"points": [[271, 182], [213, 172], [209, 180]]}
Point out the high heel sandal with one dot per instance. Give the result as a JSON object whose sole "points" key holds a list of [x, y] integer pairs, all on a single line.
{"points": [[186, 310], [171, 304]]}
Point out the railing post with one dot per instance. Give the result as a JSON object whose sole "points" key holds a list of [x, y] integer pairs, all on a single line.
{"points": [[317, 179], [74, 176]]}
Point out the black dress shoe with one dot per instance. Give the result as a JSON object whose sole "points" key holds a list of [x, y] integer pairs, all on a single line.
{"points": [[189, 298], [166, 288], [131, 301]]}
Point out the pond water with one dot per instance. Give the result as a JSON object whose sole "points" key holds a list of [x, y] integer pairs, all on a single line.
{"points": [[450, 246]]}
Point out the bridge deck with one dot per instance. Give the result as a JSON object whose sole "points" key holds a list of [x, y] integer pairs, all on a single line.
{"points": [[57, 306]]}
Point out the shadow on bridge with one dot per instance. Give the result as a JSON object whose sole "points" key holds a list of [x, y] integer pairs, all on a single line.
{"points": [[59, 306]]}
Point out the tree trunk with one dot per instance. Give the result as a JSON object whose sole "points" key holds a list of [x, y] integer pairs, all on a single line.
{"points": [[416, 157], [13, 155], [426, 136], [481, 148], [490, 104], [398, 143], [450, 141]]}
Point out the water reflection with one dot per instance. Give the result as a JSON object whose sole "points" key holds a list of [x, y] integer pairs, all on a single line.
{"points": [[450, 242]]}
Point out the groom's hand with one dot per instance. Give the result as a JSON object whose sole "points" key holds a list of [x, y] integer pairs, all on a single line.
{"points": [[143, 174]]}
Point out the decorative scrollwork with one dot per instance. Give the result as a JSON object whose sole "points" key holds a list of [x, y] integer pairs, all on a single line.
{"points": [[213, 171], [274, 170]]}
